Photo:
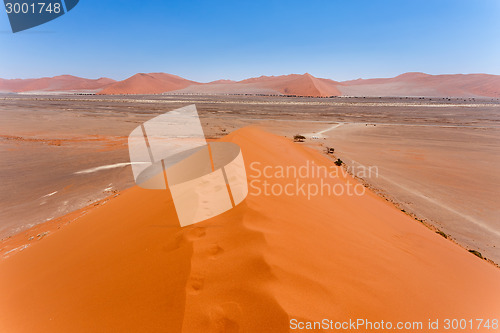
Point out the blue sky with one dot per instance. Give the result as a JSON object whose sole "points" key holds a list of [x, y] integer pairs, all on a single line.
{"points": [[209, 40]]}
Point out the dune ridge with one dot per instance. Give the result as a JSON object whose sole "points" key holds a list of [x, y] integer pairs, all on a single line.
{"points": [[295, 84], [151, 83], [56, 83], [408, 84], [421, 84], [126, 266]]}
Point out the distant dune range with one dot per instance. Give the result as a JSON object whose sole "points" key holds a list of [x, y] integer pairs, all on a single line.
{"points": [[152, 83], [420, 84], [56, 83], [408, 84]]}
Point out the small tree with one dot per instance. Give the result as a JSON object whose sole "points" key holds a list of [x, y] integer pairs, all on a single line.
{"points": [[299, 138], [476, 253], [338, 162]]}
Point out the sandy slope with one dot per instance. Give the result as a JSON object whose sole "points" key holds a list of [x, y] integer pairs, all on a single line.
{"points": [[294, 84], [151, 83], [300, 85], [408, 84], [226, 89], [125, 266], [446, 175], [56, 83], [420, 84]]}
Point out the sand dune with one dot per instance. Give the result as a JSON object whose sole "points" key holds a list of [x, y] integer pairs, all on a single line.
{"points": [[420, 84], [294, 84], [300, 85], [125, 265], [408, 84], [226, 89], [151, 83], [56, 83]]}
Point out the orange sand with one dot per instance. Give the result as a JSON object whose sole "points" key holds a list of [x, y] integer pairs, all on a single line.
{"points": [[421, 84], [56, 83], [408, 84], [152, 83], [125, 266], [293, 84], [300, 85]]}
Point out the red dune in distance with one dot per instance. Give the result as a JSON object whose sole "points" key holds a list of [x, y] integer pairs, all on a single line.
{"points": [[126, 266], [421, 84], [295, 84], [56, 83], [409, 84], [152, 83]]}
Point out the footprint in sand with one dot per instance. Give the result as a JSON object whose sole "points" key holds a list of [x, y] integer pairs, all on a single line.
{"points": [[174, 244], [214, 251], [195, 233], [195, 285], [225, 317]]}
